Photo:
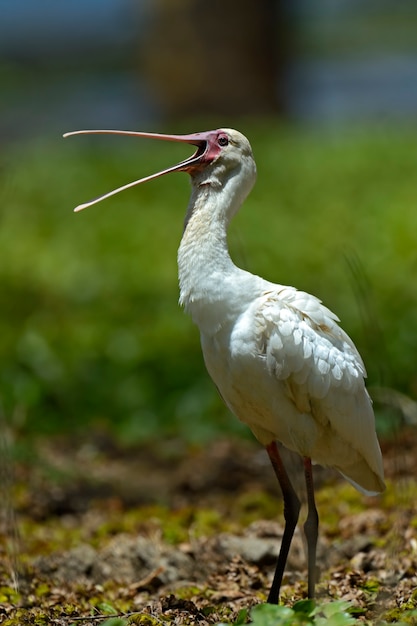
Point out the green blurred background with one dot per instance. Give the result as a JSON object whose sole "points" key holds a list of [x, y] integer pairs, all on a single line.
{"points": [[92, 337]]}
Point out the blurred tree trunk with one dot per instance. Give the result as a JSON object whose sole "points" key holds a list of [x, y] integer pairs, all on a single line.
{"points": [[217, 56]]}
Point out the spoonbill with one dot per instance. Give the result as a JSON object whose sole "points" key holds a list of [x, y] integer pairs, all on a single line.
{"points": [[279, 359]]}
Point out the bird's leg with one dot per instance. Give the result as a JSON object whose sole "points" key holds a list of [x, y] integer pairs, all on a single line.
{"points": [[311, 527], [291, 513]]}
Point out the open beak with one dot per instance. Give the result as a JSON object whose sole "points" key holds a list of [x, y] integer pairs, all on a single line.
{"points": [[190, 165]]}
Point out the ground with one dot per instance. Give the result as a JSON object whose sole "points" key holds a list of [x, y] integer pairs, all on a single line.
{"points": [[190, 535]]}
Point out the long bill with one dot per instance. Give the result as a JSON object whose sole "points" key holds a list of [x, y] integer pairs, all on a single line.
{"points": [[197, 139]]}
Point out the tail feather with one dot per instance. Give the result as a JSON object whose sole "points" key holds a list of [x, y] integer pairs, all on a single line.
{"points": [[363, 478]]}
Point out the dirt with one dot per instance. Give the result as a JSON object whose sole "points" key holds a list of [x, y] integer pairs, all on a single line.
{"points": [[191, 536]]}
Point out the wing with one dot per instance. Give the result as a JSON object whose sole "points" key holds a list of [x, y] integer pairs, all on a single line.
{"points": [[323, 374], [301, 340]]}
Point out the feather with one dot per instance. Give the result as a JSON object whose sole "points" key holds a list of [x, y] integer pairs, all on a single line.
{"points": [[324, 375]]}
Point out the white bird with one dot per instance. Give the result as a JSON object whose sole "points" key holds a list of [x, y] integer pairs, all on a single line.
{"points": [[281, 363]]}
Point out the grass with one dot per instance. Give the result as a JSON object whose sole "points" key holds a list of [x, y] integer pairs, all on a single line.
{"points": [[90, 326]]}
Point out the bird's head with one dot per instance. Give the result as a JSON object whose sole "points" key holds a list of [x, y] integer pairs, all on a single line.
{"points": [[219, 156]]}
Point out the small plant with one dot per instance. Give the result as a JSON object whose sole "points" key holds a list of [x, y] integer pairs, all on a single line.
{"points": [[302, 613]]}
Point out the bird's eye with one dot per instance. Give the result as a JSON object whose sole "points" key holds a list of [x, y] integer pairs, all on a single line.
{"points": [[223, 140]]}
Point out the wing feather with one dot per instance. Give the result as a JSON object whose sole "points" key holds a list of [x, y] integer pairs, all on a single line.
{"points": [[323, 374]]}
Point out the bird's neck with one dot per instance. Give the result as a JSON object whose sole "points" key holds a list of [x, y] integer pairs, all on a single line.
{"points": [[204, 264]]}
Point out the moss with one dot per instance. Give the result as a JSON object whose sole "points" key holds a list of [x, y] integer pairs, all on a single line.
{"points": [[255, 505], [400, 615], [400, 493], [9, 594], [371, 585], [188, 592], [42, 589], [143, 619]]}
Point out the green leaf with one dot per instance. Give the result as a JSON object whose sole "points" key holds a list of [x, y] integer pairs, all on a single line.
{"points": [[334, 614], [306, 607], [242, 617], [275, 615], [107, 608]]}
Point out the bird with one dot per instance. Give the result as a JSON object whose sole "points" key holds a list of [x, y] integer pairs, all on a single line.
{"points": [[277, 355]]}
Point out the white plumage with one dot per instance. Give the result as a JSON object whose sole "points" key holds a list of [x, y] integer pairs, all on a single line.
{"points": [[306, 384], [295, 376], [277, 355]]}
